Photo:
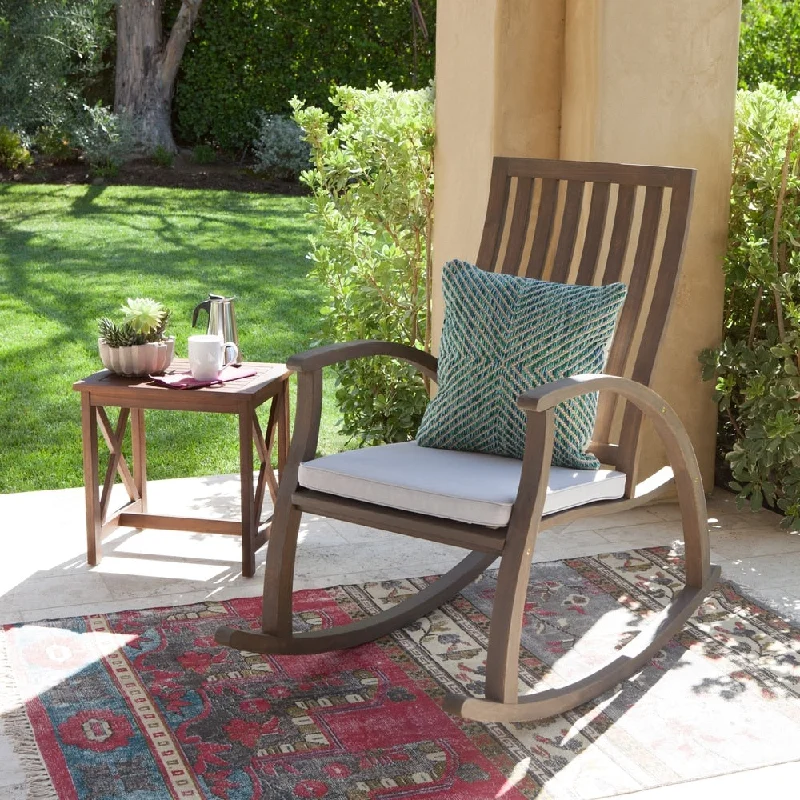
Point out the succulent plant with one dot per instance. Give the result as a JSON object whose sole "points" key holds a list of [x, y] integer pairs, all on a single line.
{"points": [[144, 320]]}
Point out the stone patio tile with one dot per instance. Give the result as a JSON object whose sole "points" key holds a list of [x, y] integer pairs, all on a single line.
{"points": [[724, 514], [624, 519], [358, 534], [669, 511], [627, 538], [767, 572], [744, 543], [568, 543], [45, 576], [48, 591], [122, 587], [776, 781]]}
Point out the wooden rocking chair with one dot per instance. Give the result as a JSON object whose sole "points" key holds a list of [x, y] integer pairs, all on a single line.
{"points": [[560, 221]]}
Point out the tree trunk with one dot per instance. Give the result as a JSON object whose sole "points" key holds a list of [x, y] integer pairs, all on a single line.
{"points": [[147, 66]]}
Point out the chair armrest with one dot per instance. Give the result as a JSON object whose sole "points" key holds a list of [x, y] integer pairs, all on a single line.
{"points": [[548, 395], [680, 452], [319, 357], [538, 404]]}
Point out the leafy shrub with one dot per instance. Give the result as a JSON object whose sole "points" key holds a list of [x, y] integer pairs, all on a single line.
{"points": [[13, 154], [769, 44], [372, 187], [51, 57], [53, 143], [204, 154], [105, 140], [248, 56], [280, 149], [162, 156], [757, 369]]}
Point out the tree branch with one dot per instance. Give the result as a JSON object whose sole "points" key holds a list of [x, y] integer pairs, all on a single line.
{"points": [[777, 227], [176, 44], [754, 319]]}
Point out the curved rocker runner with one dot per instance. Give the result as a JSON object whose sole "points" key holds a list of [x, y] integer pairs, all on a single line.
{"points": [[511, 216]]}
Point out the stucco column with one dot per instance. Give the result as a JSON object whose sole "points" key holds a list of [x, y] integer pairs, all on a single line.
{"points": [[498, 92], [655, 83], [614, 80], [465, 75]]}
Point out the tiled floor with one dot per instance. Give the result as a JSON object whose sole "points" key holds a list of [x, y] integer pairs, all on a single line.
{"points": [[44, 574]]}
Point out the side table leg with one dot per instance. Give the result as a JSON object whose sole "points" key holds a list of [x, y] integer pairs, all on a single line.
{"points": [[249, 522], [139, 447], [283, 426], [91, 480]]}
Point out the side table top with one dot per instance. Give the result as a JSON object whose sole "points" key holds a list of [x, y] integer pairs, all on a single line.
{"points": [[144, 392]]}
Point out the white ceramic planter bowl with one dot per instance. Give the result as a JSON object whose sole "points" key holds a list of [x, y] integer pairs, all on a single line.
{"points": [[138, 360]]}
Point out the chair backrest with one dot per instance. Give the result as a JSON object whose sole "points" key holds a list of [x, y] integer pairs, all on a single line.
{"points": [[596, 223]]}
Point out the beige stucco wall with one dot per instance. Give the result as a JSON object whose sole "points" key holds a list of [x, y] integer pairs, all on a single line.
{"points": [[465, 103], [529, 42], [617, 80], [498, 91]]}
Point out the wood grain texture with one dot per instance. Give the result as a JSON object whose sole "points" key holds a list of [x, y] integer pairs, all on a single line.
{"points": [[496, 210], [595, 228], [139, 452], [502, 659], [170, 522], [434, 529], [276, 616], [600, 258], [91, 477], [586, 208], [249, 523], [542, 233], [133, 396], [330, 354], [547, 703], [677, 444], [567, 239], [367, 629]]}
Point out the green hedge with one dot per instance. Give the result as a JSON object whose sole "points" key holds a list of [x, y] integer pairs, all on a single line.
{"points": [[769, 44], [247, 56]]}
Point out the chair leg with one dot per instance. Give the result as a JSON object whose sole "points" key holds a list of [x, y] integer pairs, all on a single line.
{"points": [[505, 631], [276, 613]]}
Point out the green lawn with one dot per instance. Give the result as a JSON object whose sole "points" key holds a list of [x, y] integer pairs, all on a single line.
{"points": [[71, 254]]}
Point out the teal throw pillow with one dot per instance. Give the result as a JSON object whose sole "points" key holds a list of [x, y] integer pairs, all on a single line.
{"points": [[503, 335]]}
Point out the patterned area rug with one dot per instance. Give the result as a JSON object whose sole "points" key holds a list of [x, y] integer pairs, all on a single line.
{"points": [[144, 705]]}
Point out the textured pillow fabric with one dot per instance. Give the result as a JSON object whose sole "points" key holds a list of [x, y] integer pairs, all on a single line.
{"points": [[503, 335]]}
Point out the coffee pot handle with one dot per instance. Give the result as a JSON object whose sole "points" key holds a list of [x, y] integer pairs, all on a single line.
{"points": [[206, 304]]}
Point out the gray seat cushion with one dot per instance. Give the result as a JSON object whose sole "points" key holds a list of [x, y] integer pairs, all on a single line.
{"points": [[468, 487]]}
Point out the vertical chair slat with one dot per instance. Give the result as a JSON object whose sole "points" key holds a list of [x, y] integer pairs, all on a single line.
{"points": [[620, 233], [544, 228], [629, 318], [666, 279], [637, 284], [519, 226], [569, 231], [577, 229], [499, 189], [663, 293], [595, 228]]}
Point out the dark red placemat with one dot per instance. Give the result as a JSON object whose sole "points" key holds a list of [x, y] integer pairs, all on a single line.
{"points": [[184, 380]]}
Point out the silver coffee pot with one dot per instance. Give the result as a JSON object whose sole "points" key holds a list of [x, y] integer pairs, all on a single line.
{"points": [[221, 319]]}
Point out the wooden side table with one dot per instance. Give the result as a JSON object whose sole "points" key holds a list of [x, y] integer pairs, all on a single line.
{"points": [[133, 396]]}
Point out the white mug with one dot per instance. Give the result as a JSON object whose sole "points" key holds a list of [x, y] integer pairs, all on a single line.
{"points": [[208, 354]]}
